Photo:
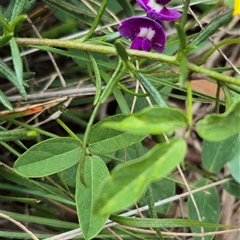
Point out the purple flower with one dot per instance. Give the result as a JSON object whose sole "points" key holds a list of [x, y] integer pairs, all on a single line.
{"points": [[145, 33], [156, 9]]}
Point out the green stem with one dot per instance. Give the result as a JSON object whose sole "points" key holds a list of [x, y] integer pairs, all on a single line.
{"points": [[182, 37], [10, 149], [19, 199], [234, 88], [96, 21], [217, 105], [95, 79], [67, 129], [112, 82], [189, 104], [85, 142], [132, 53], [184, 13], [55, 184], [216, 47], [131, 92], [152, 209], [107, 91], [24, 125]]}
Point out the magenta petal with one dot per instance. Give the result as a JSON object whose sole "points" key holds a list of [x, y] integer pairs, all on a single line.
{"points": [[163, 2], [137, 43], [130, 28], [141, 44], [146, 45], [143, 4], [164, 15]]}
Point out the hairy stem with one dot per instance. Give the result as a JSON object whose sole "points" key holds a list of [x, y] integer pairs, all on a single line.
{"points": [[132, 53]]}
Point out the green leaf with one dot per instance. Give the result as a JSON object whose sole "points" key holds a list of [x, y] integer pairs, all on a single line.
{"points": [[103, 140], [48, 157], [79, 57], [152, 91], [97, 77], [95, 172], [216, 154], [121, 51], [40, 220], [18, 235], [127, 7], [29, 5], [96, 22], [4, 100], [80, 12], [207, 202], [129, 180], [17, 61], [119, 97], [233, 188], [162, 189], [163, 223], [211, 29], [11, 76], [5, 38], [216, 127], [69, 176], [234, 163], [42, 195], [229, 3], [151, 120], [17, 9], [40, 189], [114, 79]]}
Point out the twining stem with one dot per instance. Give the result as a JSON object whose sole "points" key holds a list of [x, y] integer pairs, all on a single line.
{"points": [[97, 19], [67, 129], [184, 16], [132, 53], [217, 105], [10, 149], [216, 47], [85, 142], [24, 125], [152, 209], [107, 91], [189, 103]]}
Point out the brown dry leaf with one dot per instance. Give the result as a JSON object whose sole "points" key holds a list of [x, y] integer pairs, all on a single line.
{"points": [[206, 87]]}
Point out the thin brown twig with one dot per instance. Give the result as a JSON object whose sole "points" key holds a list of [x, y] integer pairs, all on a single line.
{"points": [[83, 91], [192, 198], [113, 233], [181, 234], [19, 225]]}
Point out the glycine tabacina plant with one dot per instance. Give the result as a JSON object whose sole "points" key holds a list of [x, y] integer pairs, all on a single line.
{"points": [[132, 152]]}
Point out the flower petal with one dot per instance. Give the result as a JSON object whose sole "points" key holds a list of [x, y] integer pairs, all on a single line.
{"points": [[141, 44], [163, 2], [143, 4], [137, 44], [131, 28], [164, 15], [146, 45], [156, 9]]}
